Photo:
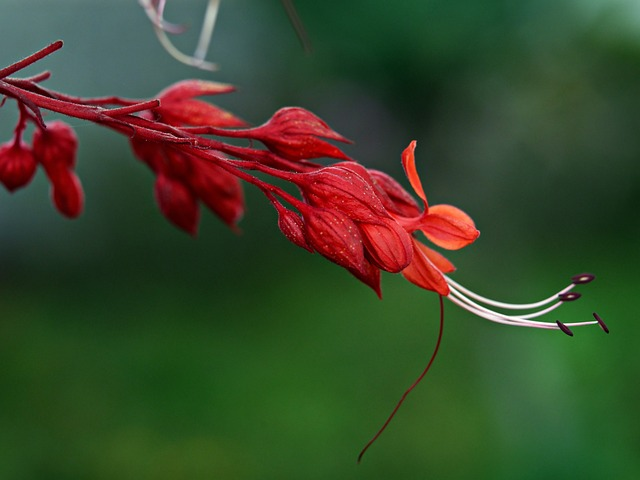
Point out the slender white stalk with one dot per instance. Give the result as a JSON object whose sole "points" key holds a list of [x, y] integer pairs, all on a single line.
{"points": [[514, 306], [479, 306]]}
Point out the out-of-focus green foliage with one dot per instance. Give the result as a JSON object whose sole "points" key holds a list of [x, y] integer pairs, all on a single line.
{"points": [[130, 351]]}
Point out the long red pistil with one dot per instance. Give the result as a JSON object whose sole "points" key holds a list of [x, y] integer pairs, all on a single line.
{"points": [[414, 385]]}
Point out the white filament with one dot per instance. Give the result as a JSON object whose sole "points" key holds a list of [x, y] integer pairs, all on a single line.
{"points": [[464, 298]]}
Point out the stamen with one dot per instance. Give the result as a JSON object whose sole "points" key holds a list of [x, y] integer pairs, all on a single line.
{"points": [[564, 328], [582, 278], [601, 322], [511, 306], [463, 297], [569, 296]]}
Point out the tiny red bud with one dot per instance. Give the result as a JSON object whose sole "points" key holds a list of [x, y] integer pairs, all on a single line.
{"points": [[388, 245], [177, 203], [196, 113], [336, 237], [149, 152], [56, 146], [292, 226], [17, 165], [178, 107], [219, 190], [342, 189], [186, 89], [293, 132], [66, 193], [369, 274]]}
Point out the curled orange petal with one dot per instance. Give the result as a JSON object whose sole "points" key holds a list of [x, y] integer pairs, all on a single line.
{"points": [[448, 227], [439, 260], [409, 164], [423, 273]]}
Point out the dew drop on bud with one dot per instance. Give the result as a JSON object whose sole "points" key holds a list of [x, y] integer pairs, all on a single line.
{"points": [[569, 296], [601, 322], [582, 278], [564, 328]]}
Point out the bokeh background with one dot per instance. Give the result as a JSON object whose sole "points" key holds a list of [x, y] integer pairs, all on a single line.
{"points": [[129, 350]]}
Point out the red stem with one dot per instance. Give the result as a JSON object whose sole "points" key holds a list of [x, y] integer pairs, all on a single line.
{"points": [[415, 384], [25, 62]]}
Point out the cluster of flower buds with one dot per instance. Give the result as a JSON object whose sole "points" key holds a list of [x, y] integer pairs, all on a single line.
{"points": [[54, 147], [183, 179]]}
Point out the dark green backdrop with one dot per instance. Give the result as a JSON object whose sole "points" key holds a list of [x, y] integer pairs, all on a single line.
{"points": [[129, 350]]}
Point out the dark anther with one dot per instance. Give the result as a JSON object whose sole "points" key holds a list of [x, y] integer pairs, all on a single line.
{"points": [[564, 328], [569, 296], [582, 278], [603, 325]]}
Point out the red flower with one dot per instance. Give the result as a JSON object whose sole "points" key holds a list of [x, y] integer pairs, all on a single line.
{"points": [[444, 225], [349, 225]]}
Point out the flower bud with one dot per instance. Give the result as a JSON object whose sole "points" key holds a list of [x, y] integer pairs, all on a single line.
{"points": [[293, 132], [17, 165], [178, 107], [66, 193], [177, 203], [56, 146], [292, 226], [220, 191], [336, 237], [342, 189], [387, 244]]}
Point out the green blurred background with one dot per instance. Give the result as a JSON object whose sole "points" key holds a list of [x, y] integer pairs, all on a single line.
{"points": [[129, 350]]}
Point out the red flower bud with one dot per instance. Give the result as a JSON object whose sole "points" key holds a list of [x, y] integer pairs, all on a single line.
{"points": [[387, 244], [369, 274], [66, 192], [177, 203], [220, 191], [293, 132], [17, 165], [56, 146], [149, 152], [340, 188], [292, 226], [393, 196], [186, 89], [336, 237], [178, 107]]}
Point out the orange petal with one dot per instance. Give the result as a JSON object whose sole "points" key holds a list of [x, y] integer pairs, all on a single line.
{"points": [[451, 211], [439, 260], [409, 164], [448, 227], [423, 273]]}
